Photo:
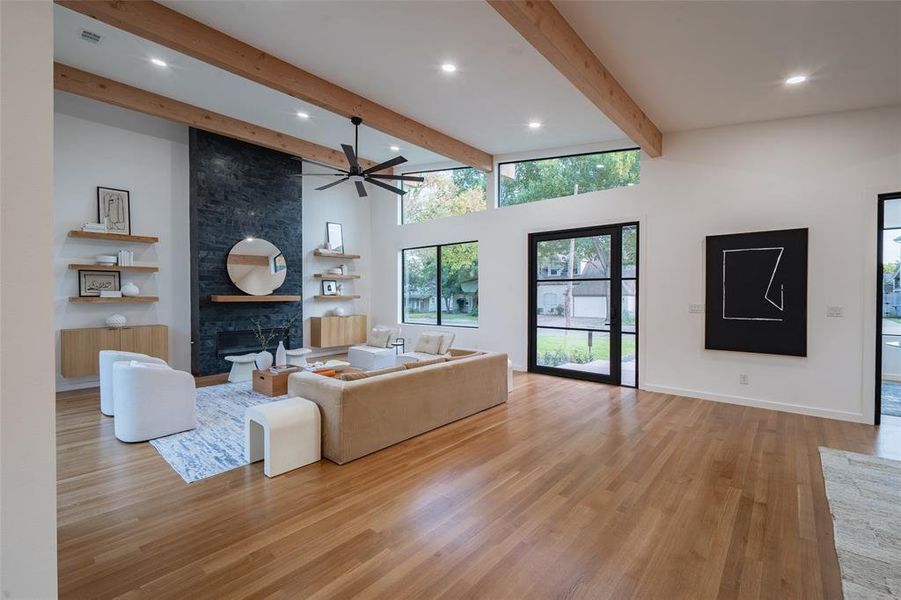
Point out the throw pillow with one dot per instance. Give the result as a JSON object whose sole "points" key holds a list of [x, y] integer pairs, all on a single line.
{"points": [[378, 337], [429, 343], [424, 363], [353, 376]]}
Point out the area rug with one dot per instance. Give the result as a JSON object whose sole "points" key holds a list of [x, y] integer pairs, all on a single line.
{"points": [[217, 445], [864, 495]]}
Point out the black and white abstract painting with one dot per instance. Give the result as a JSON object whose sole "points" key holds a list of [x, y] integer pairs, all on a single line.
{"points": [[757, 292], [114, 209]]}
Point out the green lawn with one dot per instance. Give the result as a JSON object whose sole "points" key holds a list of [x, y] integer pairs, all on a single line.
{"points": [[557, 349], [447, 318]]}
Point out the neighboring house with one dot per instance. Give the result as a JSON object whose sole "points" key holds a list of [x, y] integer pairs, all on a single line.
{"points": [[425, 301], [590, 298]]}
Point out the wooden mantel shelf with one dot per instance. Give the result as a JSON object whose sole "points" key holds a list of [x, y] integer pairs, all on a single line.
{"points": [[335, 277], [338, 297], [114, 237], [94, 267], [249, 298], [322, 254], [122, 300]]}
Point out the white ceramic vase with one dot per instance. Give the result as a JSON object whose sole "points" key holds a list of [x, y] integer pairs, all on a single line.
{"points": [[338, 312], [130, 289], [281, 356], [116, 321], [264, 360]]}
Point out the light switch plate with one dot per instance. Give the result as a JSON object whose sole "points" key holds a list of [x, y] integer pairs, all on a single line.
{"points": [[835, 311], [696, 309]]}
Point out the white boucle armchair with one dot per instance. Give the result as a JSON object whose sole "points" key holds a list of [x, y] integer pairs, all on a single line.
{"points": [[152, 401], [107, 359]]}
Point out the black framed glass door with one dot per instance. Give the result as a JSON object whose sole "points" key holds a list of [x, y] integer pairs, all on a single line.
{"points": [[583, 303]]}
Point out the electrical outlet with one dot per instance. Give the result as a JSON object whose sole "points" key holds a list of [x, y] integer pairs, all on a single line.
{"points": [[696, 309], [743, 379], [835, 311]]}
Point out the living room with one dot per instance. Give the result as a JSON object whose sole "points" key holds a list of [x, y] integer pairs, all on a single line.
{"points": [[330, 315]]}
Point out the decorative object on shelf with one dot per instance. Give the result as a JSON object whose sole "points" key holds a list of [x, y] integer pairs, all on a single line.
{"points": [[281, 356], [340, 288], [114, 210], [329, 287], [263, 360], [126, 258], [130, 289], [91, 283], [338, 311], [105, 259], [256, 266], [336, 271], [94, 227], [110, 293], [116, 321], [335, 237], [757, 292]]}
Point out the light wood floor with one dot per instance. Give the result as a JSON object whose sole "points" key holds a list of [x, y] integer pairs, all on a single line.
{"points": [[570, 490]]}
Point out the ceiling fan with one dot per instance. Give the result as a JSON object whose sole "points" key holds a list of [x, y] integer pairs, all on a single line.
{"points": [[357, 173]]}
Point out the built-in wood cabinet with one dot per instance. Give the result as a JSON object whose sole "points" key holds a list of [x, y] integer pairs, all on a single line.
{"points": [[80, 348], [328, 332]]}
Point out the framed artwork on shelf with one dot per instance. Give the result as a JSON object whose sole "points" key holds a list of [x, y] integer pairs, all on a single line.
{"points": [[91, 283], [757, 292], [329, 287], [335, 237], [114, 209]]}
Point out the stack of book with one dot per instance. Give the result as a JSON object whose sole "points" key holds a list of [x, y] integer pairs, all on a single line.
{"points": [[126, 258], [94, 227]]}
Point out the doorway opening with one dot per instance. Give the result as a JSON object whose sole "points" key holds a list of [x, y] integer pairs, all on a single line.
{"points": [[583, 303]]}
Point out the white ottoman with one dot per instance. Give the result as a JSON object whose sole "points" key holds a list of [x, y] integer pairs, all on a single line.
{"points": [[242, 367], [370, 358], [284, 434], [298, 356]]}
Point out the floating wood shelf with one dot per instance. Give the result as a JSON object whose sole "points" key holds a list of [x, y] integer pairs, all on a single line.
{"points": [[94, 267], [338, 297], [336, 277], [322, 254], [114, 237], [249, 298], [122, 300]]}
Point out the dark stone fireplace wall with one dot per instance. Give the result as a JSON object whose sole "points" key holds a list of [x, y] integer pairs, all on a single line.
{"points": [[239, 190]]}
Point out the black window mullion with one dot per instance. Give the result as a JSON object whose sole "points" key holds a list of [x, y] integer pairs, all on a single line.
{"points": [[438, 299]]}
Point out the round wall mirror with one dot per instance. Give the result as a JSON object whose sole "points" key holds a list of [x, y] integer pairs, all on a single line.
{"points": [[256, 266]]}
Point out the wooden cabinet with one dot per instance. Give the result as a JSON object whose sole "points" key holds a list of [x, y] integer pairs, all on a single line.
{"points": [[328, 332], [80, 348]]}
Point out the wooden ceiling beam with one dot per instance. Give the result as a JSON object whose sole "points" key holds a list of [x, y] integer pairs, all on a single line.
{"points": [[181, 33], [82, 83], [542, 25]]}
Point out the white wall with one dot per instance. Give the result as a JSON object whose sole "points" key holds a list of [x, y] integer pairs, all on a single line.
{"points": [[100, 144], [819, 172], [338, 205], [27, 409]]}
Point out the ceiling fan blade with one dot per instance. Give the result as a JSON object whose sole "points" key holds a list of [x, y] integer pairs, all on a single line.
{"points": [[334, 183], [319, 174], [397, 160], [317, 163], [399, 177], [351, 157], [382, 184], [361, 189]]}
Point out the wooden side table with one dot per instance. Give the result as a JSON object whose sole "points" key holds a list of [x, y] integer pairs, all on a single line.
{"points": [[272, 384]]}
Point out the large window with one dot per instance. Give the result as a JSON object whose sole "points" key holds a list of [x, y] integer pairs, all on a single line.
{"points": [[441, 285], [445, 193], [541, 179]]}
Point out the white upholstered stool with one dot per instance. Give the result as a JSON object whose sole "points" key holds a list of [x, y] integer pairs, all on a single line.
{"points": [[242, 367], [298, 356], [284, 434]]}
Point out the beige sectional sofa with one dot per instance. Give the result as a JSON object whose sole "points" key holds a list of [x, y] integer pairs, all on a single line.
{"points": [[372, 411]]}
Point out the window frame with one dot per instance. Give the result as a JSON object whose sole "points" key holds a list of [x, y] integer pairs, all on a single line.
{"points": [[403, 285], [499, 177], [403, 221]]}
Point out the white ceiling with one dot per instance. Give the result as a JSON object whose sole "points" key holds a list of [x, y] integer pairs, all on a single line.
{"points": [[687, 64], [701, 64]]}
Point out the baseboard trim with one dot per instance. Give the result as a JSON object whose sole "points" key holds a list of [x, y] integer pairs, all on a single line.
{"points": [[799, 409]]}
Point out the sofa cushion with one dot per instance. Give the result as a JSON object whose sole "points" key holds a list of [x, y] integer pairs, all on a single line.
{"points": [[429, 343], [464, 355], [378, 337], [353, 375], [385, 371], [424, 363]]}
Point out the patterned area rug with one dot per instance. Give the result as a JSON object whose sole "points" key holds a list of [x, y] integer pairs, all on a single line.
{"points": [[217, 445], [865, 500]]}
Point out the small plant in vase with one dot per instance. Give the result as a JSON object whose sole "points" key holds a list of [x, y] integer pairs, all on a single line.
{"points": [[265, 337]]}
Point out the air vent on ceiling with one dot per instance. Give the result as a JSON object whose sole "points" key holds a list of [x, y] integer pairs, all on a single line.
{"points": [[90, 36]]}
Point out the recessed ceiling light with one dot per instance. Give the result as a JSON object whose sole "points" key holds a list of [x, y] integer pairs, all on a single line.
{"points": [[449, 67], [303, 115], [159, 62], [796, 79], [534, 124], [395, 148]]}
